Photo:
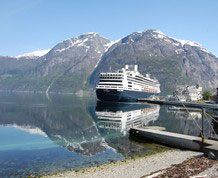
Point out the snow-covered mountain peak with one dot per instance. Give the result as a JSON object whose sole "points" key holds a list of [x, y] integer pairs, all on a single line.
{"points": [[91, 33], [157, 34], [73, 42], [88, 41], [38, 53]]}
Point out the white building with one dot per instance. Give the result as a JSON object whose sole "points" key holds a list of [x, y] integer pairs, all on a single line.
{"points": [[194, 93], [188, 93]]}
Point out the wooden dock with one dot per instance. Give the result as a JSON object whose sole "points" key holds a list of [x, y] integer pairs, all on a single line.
{"points": [[181, 104], [176, 140]]}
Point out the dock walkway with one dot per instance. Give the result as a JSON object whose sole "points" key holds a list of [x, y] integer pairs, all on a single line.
{"points": [[179, 103], [176, 140]]}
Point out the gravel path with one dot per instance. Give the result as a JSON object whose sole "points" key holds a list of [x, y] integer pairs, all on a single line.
{"points": [[133, 168]]}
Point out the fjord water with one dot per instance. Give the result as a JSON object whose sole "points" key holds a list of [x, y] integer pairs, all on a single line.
{"points": [[40, 135]]}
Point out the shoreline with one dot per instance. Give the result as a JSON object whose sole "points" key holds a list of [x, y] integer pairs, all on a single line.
{"points": [[137, 167]]}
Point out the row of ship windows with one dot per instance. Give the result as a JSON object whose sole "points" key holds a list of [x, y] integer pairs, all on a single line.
{"points": [[110, 75], [146, 81], [111, 78], [116, 85], [119, 76], [137, 82], [112, 84], [129, 83], [136, 79], [141, 79], [143, 83]]}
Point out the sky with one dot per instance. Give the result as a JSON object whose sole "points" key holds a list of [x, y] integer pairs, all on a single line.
{"points": [[29, 25]]}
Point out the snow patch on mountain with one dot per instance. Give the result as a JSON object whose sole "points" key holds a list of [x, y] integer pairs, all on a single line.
{"points": [[107, 47], [179, 51], [78, 41], [160, 35], [38, 53], [74, 43], [91, 33], [194, 44], [82, 43], [157, 34]]}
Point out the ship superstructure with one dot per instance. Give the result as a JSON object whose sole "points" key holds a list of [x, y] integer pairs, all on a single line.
{"points": [[126, 85]]}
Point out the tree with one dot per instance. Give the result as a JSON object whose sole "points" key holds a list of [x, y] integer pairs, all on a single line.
{"points": [[207, 95]]}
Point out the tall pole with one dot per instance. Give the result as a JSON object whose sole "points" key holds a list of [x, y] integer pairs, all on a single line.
{"points": [[202, 125]]}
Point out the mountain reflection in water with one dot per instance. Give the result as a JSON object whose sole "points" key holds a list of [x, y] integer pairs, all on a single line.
{"points": [[40, 135], [182, 122], [65, 132]]}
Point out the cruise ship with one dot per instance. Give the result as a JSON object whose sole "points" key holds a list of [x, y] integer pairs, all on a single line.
{"points": [[126, 85]]}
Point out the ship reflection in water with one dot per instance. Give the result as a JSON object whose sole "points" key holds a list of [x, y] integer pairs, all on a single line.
{"points": [[123, 116], [109, 121], [38, 135]]}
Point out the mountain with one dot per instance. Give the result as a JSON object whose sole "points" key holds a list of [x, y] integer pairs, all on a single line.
{"points": [[74, 64], [11, 68], [65, 68], [70, 63], [18, 65], [64, 119], [173, 62]]}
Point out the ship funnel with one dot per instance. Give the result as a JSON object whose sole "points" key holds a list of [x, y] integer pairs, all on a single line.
{"points": [[135, 68], [126, 67]]}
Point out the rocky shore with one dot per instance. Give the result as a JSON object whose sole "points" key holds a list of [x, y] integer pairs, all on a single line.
{"points": [[151, 166]]}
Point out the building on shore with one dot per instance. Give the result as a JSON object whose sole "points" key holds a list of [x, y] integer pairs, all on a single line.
{"points": [[194, 93], [187, 93]]}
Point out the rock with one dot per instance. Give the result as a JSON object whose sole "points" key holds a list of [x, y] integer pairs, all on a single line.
{"points": [[211, 155]]}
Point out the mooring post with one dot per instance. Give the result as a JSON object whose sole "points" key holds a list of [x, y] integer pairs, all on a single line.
{"points": [[202, 124]]}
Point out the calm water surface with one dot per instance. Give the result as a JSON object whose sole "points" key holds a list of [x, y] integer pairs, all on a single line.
{"points": [[42, 135]]}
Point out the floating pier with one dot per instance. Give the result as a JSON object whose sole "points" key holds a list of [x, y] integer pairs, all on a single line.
{"points": [[176, 140], [178, 108], [179, 103]]}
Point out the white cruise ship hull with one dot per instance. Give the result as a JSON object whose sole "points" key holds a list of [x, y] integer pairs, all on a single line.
{"points": [[121, 96]]}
